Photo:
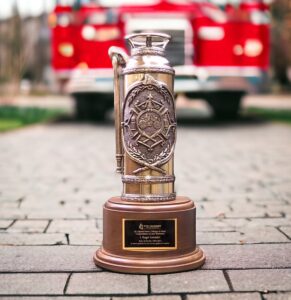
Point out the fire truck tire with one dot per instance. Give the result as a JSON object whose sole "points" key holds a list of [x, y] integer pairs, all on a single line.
{"points": [[225, 104], [92, 106]]}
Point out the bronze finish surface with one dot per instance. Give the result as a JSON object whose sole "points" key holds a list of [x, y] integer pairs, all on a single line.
{"points": [[113, 256], [118, 58], [148, 229]]}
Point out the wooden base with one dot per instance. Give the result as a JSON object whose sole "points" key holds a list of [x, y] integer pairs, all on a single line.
{"points": [[117, 256]]}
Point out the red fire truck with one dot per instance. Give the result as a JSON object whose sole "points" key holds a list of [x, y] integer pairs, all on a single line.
{"points": [[218, 54]]}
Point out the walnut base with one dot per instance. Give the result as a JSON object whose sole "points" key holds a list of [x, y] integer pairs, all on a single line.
{"points": [[115, 257]]}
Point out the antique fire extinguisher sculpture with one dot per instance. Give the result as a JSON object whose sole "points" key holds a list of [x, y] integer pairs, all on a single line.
{"points": [[148, 229]]}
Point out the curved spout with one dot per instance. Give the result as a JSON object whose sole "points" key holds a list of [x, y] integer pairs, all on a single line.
{"points": [[121, 55], [118, 59]]}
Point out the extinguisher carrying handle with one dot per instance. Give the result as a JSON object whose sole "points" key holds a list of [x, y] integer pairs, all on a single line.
{"points": [[118, 59], [148, 40]]}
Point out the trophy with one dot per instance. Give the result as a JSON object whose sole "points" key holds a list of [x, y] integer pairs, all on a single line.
{"points": [[148, 229]]}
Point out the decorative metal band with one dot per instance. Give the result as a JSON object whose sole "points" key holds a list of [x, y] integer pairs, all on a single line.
{"points": [[148, 51], [148, 70], [148, 197], [147, 179]]}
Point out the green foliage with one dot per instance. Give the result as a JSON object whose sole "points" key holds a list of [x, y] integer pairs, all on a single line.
{"points": [[9, 124], [271, 114], [12, 117]]}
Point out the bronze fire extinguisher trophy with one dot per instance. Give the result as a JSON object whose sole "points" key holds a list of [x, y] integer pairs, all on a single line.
{"points": [[148, 229]]}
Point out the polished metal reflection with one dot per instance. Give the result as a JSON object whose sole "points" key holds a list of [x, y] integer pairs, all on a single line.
{"points": [[145, 118]]}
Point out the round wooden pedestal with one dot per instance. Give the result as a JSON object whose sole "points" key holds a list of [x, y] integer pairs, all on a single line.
{"points": [[117, 255]]}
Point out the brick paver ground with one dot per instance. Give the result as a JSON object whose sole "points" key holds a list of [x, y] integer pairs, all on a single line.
{"points": [[54, 180]]}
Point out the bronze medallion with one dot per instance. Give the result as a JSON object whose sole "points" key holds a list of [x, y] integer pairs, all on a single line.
{"points": [[149, 125]]}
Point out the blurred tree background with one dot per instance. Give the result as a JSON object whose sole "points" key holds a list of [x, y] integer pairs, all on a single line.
{"points": [[281, 43], [24, 52]]}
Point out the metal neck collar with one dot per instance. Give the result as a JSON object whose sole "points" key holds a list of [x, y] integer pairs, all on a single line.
{"points": [[148, 51]]}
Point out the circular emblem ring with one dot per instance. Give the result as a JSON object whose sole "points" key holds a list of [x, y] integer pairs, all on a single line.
{"points": [[150, 123]]}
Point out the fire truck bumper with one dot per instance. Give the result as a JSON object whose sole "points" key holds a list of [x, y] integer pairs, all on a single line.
{"points": [[188, 80], [191, 79], [91, 81]]}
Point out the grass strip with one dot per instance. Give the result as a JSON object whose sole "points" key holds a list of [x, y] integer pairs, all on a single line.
{"points": [[277, 115], [12, 117]]}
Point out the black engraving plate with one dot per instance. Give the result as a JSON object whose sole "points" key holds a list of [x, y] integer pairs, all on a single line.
{"points": [[149, 234]]}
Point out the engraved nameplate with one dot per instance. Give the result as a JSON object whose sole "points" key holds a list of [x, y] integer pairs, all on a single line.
{"points": [[149, 234]]}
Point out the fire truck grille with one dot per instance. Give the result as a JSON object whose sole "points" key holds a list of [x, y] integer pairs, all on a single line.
{"points": [[175, 50]]}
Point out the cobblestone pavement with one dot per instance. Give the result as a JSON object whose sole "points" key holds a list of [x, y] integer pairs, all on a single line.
{"points": [[54, 180]]}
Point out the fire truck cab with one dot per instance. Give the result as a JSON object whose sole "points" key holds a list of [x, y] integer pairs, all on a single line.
{"points": [[218, 54]]}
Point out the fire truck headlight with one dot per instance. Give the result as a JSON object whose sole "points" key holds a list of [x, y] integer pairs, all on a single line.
{"points": [[211, 33], [82, 66], [64, 20], [253, 48], [66, 49], [107, 34], [88, 33]]}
